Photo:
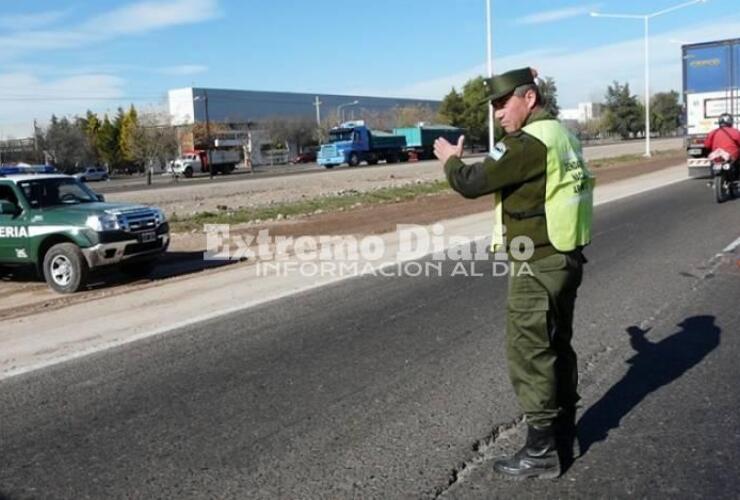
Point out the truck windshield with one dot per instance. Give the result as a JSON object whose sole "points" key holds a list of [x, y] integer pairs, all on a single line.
{"points": [[340, 135], [44, 193]]}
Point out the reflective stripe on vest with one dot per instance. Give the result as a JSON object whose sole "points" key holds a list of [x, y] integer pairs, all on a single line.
{"points": [[568, 191]]}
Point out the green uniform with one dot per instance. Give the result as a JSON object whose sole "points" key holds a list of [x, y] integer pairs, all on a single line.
{"points": [[542, 363]]}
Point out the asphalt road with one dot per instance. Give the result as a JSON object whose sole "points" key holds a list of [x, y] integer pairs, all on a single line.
{"points": [[164, 181], [381, 387]]}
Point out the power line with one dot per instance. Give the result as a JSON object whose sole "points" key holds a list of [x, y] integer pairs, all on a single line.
{"points": [[79, 98]]}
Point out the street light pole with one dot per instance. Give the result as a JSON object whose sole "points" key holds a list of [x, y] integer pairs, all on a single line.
{"points": [[647, 88], [646, 21], [339, 109], [489, 51]]}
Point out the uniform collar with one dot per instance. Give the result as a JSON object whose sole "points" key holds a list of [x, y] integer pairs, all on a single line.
{"points": [[537, 115]]}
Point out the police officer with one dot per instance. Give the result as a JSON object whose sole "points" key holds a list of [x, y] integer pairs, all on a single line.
{"points": [[543, 194]]}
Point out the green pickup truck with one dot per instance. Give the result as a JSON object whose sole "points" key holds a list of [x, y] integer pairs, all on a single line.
{"points": [[63, 228]]}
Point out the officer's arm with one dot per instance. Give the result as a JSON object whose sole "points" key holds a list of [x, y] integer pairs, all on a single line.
{"points": [[523, 158]]}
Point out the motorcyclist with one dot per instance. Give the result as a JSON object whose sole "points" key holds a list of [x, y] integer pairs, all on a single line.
{"points": [[724, 141]]}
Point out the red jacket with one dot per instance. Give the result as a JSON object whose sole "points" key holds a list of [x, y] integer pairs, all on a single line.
{"points": [[727, 138]]}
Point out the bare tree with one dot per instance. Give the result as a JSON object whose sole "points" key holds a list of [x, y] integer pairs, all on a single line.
{"points": [[408, 116], [154, 140], [67, 144], [201, 131], [298, 132]]}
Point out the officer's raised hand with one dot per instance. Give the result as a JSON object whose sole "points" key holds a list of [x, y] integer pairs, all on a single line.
{"points": [[443, 149]]}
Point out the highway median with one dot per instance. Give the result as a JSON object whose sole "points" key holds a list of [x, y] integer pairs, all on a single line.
{"points": [[605, 169]]}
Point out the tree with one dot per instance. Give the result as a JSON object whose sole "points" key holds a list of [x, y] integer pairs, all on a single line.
{"points": [[452, 109], [200, 133], [128, 126], [107, 143], [549, 94], [665, 112], [624, 114], [296, 131], [91, 125], [67, 144], [409, 116], [154, 140], [475, 117]]}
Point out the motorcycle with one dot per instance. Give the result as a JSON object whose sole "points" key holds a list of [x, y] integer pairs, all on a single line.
{"points": [[725, 177]]}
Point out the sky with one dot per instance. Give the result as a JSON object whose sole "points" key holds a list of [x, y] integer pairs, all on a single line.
{"points": [[64, 58]]}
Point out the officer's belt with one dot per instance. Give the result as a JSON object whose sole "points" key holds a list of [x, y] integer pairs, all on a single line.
{"points": [[526, 214]]}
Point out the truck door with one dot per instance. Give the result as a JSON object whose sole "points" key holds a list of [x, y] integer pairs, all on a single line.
{"points": [[361, 139], [14, 245], [708, 86]]}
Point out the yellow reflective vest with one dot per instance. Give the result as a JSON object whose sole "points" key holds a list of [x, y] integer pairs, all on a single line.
{"points": [[568, 192]]}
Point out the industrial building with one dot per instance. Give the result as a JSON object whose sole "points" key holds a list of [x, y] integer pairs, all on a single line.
{"points": [[188, 106]]}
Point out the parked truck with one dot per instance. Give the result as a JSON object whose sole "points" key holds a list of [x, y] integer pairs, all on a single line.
{"points": [[222, 161], [711, 86], [420, 139], [353, 143]]}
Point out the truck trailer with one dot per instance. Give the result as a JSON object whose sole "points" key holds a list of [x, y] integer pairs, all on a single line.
{"points": [[711, 87], [420, 139]]}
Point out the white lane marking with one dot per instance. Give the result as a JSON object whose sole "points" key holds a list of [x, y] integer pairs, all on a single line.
{"points": [[247, 305], [732, 246]]}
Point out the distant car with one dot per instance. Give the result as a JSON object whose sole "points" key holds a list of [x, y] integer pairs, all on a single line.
{"points": [[92, 174], [307, 156]]}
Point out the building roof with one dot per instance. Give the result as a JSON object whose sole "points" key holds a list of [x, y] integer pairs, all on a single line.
{"points": [[189, 105]]}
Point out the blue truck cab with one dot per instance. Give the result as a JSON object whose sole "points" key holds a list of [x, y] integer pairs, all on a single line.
{"points": [[353, 143]]}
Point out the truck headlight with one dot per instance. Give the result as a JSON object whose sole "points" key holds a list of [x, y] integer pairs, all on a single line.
{"points": [[160, 215], [107, 222]]}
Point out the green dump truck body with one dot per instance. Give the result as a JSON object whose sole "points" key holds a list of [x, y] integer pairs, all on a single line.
{"points": [[425, 135], [380, 139], [420, 139]]}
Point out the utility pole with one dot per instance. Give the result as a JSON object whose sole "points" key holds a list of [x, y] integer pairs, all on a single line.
{"points": [[317, 104], [208, 136], [35, 140]]}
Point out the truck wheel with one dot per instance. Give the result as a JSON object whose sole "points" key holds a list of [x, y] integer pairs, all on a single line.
{"points": [[188, 172], [392, 158], [65, 268], [354, 160]]}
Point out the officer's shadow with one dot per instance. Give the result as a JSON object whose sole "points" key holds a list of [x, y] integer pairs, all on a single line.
{"points": [[654, 366]]}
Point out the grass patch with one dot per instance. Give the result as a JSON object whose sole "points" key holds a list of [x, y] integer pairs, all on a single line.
{"points": [[305, 207], [625, 159]]}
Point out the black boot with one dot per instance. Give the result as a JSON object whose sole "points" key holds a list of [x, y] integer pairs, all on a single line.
{"points": [[538, 458], [565, 435]]}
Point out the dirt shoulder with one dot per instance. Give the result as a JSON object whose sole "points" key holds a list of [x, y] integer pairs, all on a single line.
{"points": [[21, 295]]}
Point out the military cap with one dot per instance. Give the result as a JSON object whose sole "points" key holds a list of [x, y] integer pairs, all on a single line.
{"points": [[504, 84]]}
